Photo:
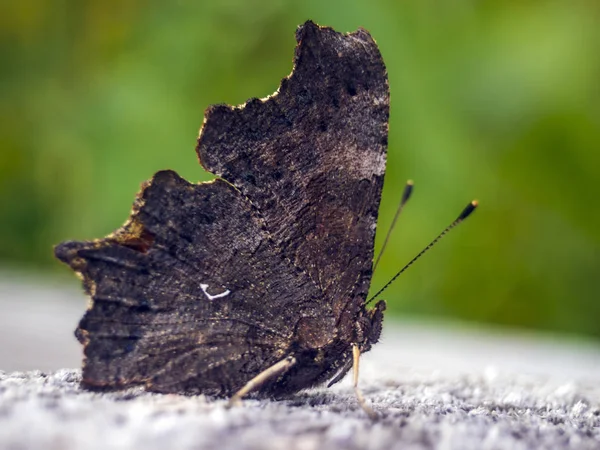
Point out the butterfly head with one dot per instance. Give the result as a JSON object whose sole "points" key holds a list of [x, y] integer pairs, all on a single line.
{"points": [[369, 326]]}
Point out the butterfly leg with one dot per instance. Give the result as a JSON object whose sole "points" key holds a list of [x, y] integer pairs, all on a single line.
{"points": [[359, 397], [274, 371]]}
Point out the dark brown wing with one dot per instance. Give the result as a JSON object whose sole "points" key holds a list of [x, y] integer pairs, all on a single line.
{"points": [[311, 158], [207, 285], [189, 295]]}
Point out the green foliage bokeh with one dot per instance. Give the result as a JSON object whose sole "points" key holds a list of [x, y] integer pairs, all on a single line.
{"points": [[494, 100]]}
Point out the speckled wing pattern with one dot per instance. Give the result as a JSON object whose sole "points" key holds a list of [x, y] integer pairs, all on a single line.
{"points": [[206, 285], [311, 158]]}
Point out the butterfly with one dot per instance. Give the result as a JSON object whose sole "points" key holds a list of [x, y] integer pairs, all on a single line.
{"points": [[257, 280]]}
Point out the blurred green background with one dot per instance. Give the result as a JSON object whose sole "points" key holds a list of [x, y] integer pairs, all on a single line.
{"points": [[498, 101]]}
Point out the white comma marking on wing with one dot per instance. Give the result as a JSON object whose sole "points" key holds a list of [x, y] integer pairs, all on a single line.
{"points": [[204, 288]]}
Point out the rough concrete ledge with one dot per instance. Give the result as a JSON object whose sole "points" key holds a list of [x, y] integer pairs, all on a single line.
{"points": [[489, 411]]}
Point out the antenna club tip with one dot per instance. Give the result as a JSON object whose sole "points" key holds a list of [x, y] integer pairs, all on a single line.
{"points": [[410, 183], [467, 211], [407, 192]]}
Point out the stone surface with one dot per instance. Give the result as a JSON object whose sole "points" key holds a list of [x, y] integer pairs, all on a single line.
{"points": [[486, 411]]}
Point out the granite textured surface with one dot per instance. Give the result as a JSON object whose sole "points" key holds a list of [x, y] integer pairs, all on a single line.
{"points": [[416, 412], [434, 386]]}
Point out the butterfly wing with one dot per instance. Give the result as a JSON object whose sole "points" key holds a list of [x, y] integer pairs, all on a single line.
{"points": [[207, 285], [311, 158], [189, 295]]}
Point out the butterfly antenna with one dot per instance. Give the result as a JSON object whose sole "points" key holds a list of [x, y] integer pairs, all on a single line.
{"points": [[405, 196], [463, 215]]}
